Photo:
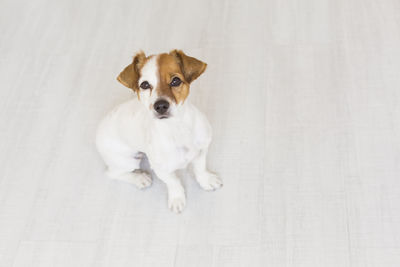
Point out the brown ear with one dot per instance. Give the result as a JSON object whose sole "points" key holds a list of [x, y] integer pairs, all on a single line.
{"points": [[190, 66], [130, 75]]}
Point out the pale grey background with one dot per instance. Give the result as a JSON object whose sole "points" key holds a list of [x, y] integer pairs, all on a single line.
{"points": [[303, 97]]}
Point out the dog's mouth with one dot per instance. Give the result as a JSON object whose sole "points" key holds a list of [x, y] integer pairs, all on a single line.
{"points": [[163, 116]]}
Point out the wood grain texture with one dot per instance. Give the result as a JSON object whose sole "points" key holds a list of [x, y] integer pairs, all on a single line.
{"points": [[303, 97]]}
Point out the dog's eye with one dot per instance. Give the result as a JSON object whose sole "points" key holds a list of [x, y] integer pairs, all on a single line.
{"points": [[175, 81], [145, 85]]}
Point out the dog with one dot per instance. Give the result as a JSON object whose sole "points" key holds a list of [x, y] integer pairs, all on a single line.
{"points": [[160, 123]]}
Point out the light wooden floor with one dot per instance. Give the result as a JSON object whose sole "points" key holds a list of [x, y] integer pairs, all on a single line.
{"points": [[304, 99]]}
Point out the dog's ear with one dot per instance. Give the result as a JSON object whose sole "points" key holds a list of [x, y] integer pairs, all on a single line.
{"points": [[130, 75], [190, 66]]}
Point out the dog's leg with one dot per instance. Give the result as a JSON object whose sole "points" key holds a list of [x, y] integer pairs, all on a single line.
{"points": [[138, 178], [207, 180], [127, 169], [176, 192]]}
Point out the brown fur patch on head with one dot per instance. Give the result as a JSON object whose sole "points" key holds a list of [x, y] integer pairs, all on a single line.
{"points": [[177, 64], [191, 67], [130, 75]]}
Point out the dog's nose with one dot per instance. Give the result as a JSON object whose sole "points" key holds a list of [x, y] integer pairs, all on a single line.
{"points": [[161, 106]]}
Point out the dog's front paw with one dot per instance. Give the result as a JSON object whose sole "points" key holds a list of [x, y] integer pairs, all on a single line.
{"points": [[209, 181], [177, 203]]}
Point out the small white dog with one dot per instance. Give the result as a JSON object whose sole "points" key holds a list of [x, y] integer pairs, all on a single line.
{"points": [[160, 123]]}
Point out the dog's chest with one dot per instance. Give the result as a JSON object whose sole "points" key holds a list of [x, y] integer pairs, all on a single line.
{"points": [[173, 147]]}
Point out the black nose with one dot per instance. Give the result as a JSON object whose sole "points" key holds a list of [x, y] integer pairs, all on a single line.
{"points": [[161, 106]]}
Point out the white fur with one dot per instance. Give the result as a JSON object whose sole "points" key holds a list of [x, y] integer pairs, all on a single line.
{"points": [[131, 129], [149, 73]]}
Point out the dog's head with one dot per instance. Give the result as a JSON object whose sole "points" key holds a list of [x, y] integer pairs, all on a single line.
{"points": [[162, 81]]}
